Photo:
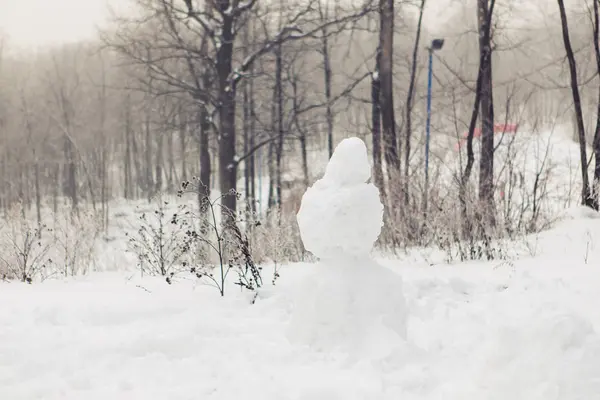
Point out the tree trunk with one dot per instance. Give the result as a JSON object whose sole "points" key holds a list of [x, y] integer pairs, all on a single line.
{"points": [[467, 225], [271, 153], [226, 111], [252, 142], [302, 136], [25, 185], [328, 107], [38, 194], [246, 128], [409, 105], [272, 179], [327, 77], [271, 200], [149, 181], [205, 162], [172, 176], [376, 126], [183, 129], [128, 181], [103, 162], [596, 143], [280, 134], [139, 176], [486, 164], [586, 197], [204, 125], [246, 134], [127, 169], [106, 188], [158, 166], [70, 172], [3, 188], [386, 42], [304, 156], [55, 189]]}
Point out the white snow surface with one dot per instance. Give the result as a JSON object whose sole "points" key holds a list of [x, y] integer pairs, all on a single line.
{"points": [[341, 213], [355, 306], [527, 330]]}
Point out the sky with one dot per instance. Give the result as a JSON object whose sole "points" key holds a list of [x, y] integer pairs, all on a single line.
{"points": [[39, 23]]}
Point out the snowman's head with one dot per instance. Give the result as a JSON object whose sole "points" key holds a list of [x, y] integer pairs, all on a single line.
{"points": [[349, 164]]}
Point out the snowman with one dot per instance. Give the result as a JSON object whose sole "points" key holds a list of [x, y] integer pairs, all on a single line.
{"points": [[351, 303]]}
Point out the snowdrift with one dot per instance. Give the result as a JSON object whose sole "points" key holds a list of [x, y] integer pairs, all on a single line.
{"points": [[524, 329]]}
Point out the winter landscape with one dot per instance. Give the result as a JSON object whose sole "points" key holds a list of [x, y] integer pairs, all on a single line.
{"points": [[307, 200]]}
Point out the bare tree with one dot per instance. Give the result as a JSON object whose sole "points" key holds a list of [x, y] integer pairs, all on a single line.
{"points": [[596, 142], [386, 46], [187, 29], [485, 55], [409, 104], [32, 125], [586, 196], [63, 85], [486, 166], [325, 49], [279, 113], [376, 124]]}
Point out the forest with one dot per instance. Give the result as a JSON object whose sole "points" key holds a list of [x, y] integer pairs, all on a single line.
{"points": [[253, 96]]}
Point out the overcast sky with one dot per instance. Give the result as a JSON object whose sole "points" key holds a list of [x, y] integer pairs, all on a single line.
{"points": [[41, 22], [33, 23]]}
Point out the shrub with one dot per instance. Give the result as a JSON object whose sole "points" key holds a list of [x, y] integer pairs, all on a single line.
{"points": [[162, 242], [24, 247], [222, 239], [75, 238]]}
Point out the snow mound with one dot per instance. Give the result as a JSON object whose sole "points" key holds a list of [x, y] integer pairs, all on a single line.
{"points": [[580, 212], [340, 213], [558, 352], [353, 308], [575, 236], [473, 334]]}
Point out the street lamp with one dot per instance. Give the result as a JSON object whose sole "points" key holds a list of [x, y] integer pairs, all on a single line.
{"points": [[436, 44]]}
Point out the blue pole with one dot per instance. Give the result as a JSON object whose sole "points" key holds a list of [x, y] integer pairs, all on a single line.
{"points": [[428, 130]]}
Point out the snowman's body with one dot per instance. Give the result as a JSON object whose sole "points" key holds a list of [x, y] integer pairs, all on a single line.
{"points": [[352, 300]]}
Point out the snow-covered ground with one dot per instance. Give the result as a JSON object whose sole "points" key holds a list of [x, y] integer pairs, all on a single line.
{"points": [[526, 329]]}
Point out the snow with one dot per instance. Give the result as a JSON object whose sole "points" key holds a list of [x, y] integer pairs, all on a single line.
{"points": [[525, 328], [353, 303], [341, 213], [349, 164], [357, 308]]}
